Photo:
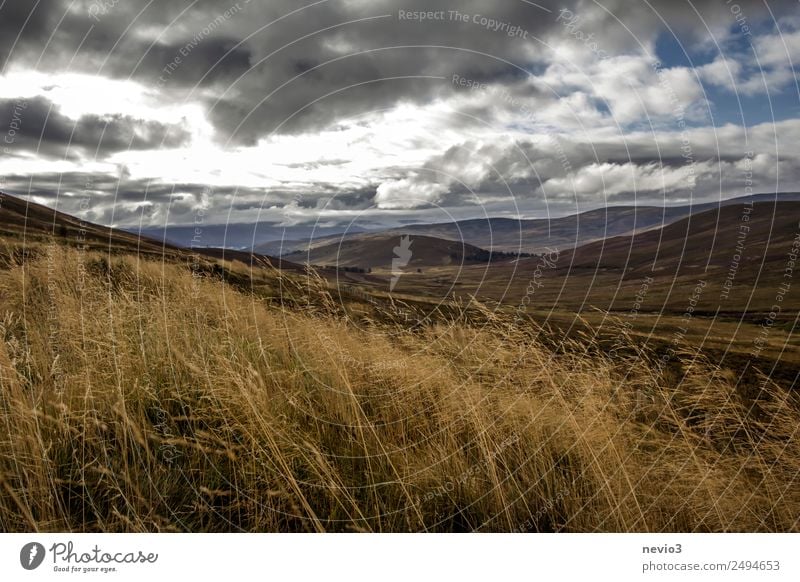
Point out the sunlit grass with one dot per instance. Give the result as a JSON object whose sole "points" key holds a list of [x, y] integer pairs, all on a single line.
{"points": [[136, 397]]}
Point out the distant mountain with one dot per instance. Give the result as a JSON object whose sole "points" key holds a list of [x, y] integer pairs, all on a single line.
{"points": [[239, 235], [284, 247], [28, 223], [741, 253], [755, 240], [378, 251], [538, 235]]}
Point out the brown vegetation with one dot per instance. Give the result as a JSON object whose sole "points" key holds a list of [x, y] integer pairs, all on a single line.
{"points": [[135, 396]]}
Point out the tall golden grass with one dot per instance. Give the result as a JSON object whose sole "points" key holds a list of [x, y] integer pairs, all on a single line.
{"points": [[136, 397]]}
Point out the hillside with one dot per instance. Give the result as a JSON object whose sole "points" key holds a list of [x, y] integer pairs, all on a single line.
{"points": [[608, 274], [538, 235], [184, 405], [25, 225], [703, 242], [377, 251], [263, 237], [28, 223], [146, 398]]}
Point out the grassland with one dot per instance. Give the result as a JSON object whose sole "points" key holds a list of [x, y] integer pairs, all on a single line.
{"points": [[145, 395]]}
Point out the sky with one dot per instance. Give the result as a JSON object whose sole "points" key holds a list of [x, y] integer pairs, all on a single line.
{"points": [[383, 112]]}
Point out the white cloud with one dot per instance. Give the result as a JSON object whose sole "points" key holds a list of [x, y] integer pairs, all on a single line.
{"points": [[408, 193], [579, 112], [768, 67], [722, 72]]}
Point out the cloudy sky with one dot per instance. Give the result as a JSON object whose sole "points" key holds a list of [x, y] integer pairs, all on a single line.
{"points": [[157, 112]]}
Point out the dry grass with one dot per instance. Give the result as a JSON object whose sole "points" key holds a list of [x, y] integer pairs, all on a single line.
{"points": [[134, 397]]}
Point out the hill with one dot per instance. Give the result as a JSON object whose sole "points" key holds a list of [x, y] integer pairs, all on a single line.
{"points": [[26, 225], [167, 403], [377, 251], [540, 234], [740, 251], [139, 397], [237, 235], [28, 222]]}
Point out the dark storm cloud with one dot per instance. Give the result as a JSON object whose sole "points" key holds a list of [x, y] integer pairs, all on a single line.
{"points": [[212, 61], [349, 201], [349, 52], [276, 66], [104, 37], [303, 80], [292, 69], [41, 127], [344, 200], [125, 201], [25, 24], [64, 186], [360, 67], [475, 171]]}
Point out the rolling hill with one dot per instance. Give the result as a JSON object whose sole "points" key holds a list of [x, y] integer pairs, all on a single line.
{"points": [[27, 224], [267, 235], [377, 251], [536, 235], [741, 252]]}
